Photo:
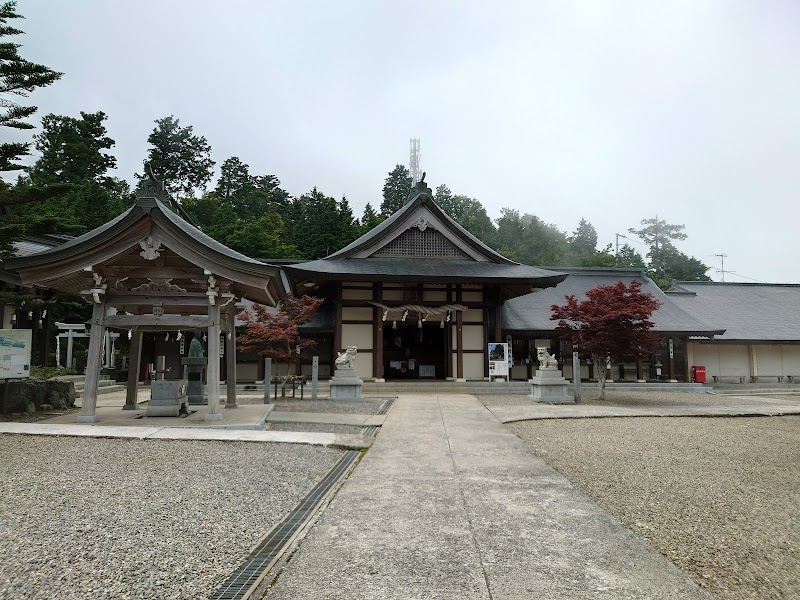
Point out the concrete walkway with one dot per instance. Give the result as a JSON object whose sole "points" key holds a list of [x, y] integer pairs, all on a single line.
{"points": [[449, 504]]}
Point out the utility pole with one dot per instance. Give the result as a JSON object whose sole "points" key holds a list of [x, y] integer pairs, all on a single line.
{"points": [[721, 257], [413, 161]]}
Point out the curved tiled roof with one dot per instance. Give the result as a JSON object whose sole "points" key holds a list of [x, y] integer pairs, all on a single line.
{"points": [[440, 269], [532, 312], [747, 311], [160, 214]]}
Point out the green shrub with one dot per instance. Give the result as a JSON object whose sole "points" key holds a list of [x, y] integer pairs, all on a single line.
{"points": [[38, 372]]}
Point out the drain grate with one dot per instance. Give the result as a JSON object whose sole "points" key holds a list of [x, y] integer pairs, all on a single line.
{"points": [[271, 547], [245, 579], [384, 408]]}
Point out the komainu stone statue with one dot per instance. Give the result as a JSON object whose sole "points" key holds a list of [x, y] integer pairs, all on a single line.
{"points": [[345, 383], [546, 360], [196, 349], [347, 359]]}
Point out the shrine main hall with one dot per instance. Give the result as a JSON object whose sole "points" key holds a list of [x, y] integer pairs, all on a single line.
{"points": [[419, 297]]}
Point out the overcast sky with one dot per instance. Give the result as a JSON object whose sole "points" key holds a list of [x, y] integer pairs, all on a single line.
{"points": [[611, 111]]}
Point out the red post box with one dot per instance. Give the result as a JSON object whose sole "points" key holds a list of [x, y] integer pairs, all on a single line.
{"points": [[699, 374]]}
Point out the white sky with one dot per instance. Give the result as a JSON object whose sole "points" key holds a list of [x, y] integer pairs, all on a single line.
{"points": [[612, 111]]}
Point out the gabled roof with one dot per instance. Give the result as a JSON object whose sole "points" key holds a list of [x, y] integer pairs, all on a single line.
{"points": [[531, 313], [420, 205], [748, 311], [452, 254], [153, 215]]}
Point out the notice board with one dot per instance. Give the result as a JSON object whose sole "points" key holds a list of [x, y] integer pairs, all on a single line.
{"points": [[15, 353]]}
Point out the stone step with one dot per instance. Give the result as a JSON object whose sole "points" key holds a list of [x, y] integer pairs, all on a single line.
{"points": [[103, 389], [103, 383]]}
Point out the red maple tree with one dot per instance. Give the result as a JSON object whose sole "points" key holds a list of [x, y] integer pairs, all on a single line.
{"points": [[275, 334], [614, 321]]}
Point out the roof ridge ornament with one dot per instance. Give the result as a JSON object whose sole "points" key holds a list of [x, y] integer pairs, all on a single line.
{"points": [[419, 188], [149, 186]]}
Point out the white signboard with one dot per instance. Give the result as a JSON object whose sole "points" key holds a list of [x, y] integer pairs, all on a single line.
{"points": [[498, 360], [15, 353]]}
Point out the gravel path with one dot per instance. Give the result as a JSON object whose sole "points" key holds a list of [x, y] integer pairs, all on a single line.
{"points": [[590, 395], [719, 496], [314, 428], [100, 518], [368, 406]]}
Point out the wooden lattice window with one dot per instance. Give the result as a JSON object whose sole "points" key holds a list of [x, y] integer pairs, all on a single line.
{"points": [[421, 244]]}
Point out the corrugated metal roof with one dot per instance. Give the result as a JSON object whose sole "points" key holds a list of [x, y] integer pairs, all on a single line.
{"points": [[747, 311], [532, 312]]}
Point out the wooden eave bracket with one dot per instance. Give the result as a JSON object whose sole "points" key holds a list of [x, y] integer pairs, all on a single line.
{"points": [[99, 289]]}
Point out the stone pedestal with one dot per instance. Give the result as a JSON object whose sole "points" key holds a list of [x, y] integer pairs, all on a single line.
{"points": [[167, 398], [345, 385], [195, 367], [548, 385]]}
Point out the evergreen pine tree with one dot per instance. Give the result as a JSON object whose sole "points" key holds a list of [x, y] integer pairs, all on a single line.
{"points": [[18, 77], [396, 189]]}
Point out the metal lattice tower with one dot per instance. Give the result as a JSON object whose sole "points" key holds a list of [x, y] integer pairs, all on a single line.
{"points": [[413, 161]]}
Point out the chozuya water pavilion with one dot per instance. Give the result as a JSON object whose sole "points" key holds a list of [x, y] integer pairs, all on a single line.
{"points": [[151, 270]]}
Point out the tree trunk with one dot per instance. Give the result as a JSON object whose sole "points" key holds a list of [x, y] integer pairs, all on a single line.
{"points": [[600, 369]]}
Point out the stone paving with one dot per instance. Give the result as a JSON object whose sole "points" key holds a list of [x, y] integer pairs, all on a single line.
{"points": [[450, 504]]}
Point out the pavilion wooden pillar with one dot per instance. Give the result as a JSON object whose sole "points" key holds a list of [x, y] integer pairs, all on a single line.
{"points": [[337, 332], [230, 358], [93, 358], [377, 337], [671, 350], [212, 373], [459, 339], [134, 366]]}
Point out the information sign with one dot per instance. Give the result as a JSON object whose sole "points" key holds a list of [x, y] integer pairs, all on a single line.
{"points": [[15, 353], [498, 360]]}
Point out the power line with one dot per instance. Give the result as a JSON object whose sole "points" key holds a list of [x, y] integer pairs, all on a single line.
{"points": [[619, 235], [743, 277]]}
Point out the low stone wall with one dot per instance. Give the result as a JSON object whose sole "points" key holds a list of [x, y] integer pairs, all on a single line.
{"points": [[29, 395]]}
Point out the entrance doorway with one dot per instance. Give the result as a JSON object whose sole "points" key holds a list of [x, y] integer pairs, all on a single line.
{"points": [[413, 352]]}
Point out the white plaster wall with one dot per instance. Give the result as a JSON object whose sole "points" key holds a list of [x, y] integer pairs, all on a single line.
{"points": [[790, 355], [365, 294], [472, 337], [769, 360], [473, 366], [324, 372], [472, 315], [472, 296], [353, 313], [734, 360], [392, 294], [358, 335], [364, 364], [246, 372], [706, 355], [434, 295]]}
